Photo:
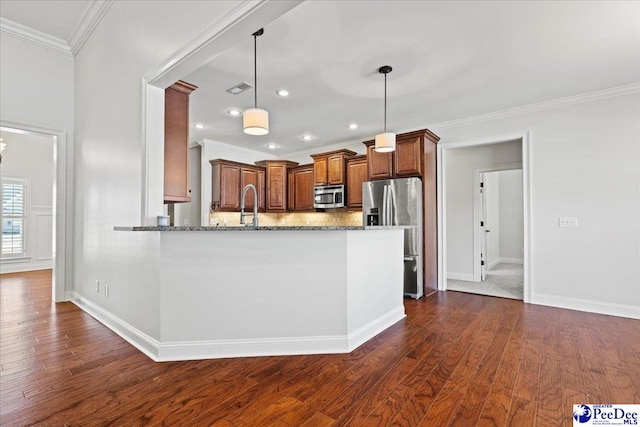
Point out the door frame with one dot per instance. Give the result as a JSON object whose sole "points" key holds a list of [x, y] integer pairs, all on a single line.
{"points": [[477, 213], [62, 209], [442, 147]]}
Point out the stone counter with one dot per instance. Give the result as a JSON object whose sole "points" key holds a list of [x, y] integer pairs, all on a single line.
{"points": [[227, 228]]}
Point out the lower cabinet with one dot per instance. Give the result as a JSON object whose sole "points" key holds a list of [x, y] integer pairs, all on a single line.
{"points": [[356, 175]]}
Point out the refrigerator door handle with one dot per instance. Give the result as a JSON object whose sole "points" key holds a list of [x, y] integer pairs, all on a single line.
{"points": [[384, 205], [390, 205]]}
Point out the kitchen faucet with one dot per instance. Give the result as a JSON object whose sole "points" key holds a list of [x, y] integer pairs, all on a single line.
{"points": [[255, 204]]}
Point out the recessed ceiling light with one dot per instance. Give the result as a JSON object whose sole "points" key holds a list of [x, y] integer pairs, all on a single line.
{"points": [[234, 112], [353, 126], [307, 137], [199, 126], [272, 146], [282, 92]]}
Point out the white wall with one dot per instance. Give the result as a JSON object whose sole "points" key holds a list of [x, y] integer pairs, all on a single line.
{"points": [[585, 162], [36, 86], [31, 156], [132, 39], [461, 166], [511, 225], [36, 92]]}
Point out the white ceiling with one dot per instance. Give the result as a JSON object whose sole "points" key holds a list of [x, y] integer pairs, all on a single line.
{"points": [[57, 18], [450, 60]]}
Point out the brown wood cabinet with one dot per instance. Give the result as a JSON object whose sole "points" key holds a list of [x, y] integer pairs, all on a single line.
{"points": [[228, 180], [379, 165], [320, 171], [406, 161], [430, 214], [330, 168], [276, 183], [225, 185], [356, 175], [301, 183], [253, 175], [176, 142]]}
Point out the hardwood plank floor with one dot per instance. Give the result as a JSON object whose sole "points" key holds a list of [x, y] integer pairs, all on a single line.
{"points": [[456, 360]]}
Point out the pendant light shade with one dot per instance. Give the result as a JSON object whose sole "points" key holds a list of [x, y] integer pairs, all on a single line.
{"points": [[255, 121], [385, 141]]}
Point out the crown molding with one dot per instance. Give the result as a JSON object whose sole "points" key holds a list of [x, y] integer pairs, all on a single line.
{"points": [[354, 144], [540, 106], [93, 14], [28, 34]]}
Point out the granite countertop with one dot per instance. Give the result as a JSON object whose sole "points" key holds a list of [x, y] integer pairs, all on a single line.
{"points": [[223, 228]]}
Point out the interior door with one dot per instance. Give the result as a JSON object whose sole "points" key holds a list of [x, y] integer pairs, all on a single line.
{"points": [[483, 228]]}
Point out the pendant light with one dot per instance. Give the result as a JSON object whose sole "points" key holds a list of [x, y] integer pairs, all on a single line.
{"points": [[386, 141], [255, 121]]}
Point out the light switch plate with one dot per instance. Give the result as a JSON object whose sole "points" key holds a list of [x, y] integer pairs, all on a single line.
{"points": [[568, 221]]}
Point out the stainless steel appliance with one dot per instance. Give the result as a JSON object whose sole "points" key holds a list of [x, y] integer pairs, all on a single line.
{"points": [[398, 203], [328, 196]]}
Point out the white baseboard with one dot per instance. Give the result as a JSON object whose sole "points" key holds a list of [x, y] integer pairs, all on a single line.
{"points": [[19, 267], [133, 336], [217, 349], [460, 276], [610, 309], [365, 333], [511, 260], [494, 263]]}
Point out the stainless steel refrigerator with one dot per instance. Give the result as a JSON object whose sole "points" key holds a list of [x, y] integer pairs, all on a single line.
{"points": [[398, 203]]}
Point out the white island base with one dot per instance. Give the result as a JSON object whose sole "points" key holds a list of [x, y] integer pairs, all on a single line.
{"points": [[268, 292]]}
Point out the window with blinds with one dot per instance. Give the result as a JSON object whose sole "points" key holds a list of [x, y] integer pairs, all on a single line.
{"points": [[13, 211]]}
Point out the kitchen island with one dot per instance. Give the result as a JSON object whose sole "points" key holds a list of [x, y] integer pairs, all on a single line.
{"points": [[232, 292]]}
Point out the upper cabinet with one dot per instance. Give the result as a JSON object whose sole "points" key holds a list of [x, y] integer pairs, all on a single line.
{"points": [[228, 180], [301, 183], [276, 183], [379, 165], [253, 175], [406, 161], [356, 175], [330, 168], [176, 142]]}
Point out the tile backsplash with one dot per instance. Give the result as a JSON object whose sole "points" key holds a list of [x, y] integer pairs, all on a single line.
{"points": [[291, 219]]}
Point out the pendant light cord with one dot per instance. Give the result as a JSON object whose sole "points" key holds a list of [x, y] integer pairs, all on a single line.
{"points": [[255, 70], [385, 103]]}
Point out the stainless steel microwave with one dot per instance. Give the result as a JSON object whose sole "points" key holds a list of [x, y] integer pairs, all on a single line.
{"points": [[328, 196]]}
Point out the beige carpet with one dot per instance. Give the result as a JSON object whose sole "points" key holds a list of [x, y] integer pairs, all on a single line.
{"points": [[503, 280]]}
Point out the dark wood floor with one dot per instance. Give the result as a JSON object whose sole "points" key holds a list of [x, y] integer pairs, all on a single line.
{"points": [[457, 359]]}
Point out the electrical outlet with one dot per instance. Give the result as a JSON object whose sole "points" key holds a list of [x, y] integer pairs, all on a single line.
{"points": [[568, 221], [97, 286], [106, 291]]}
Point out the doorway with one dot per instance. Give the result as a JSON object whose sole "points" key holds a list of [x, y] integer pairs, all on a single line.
{"points": [[469, 221], [499, 228], [35, 189]]}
